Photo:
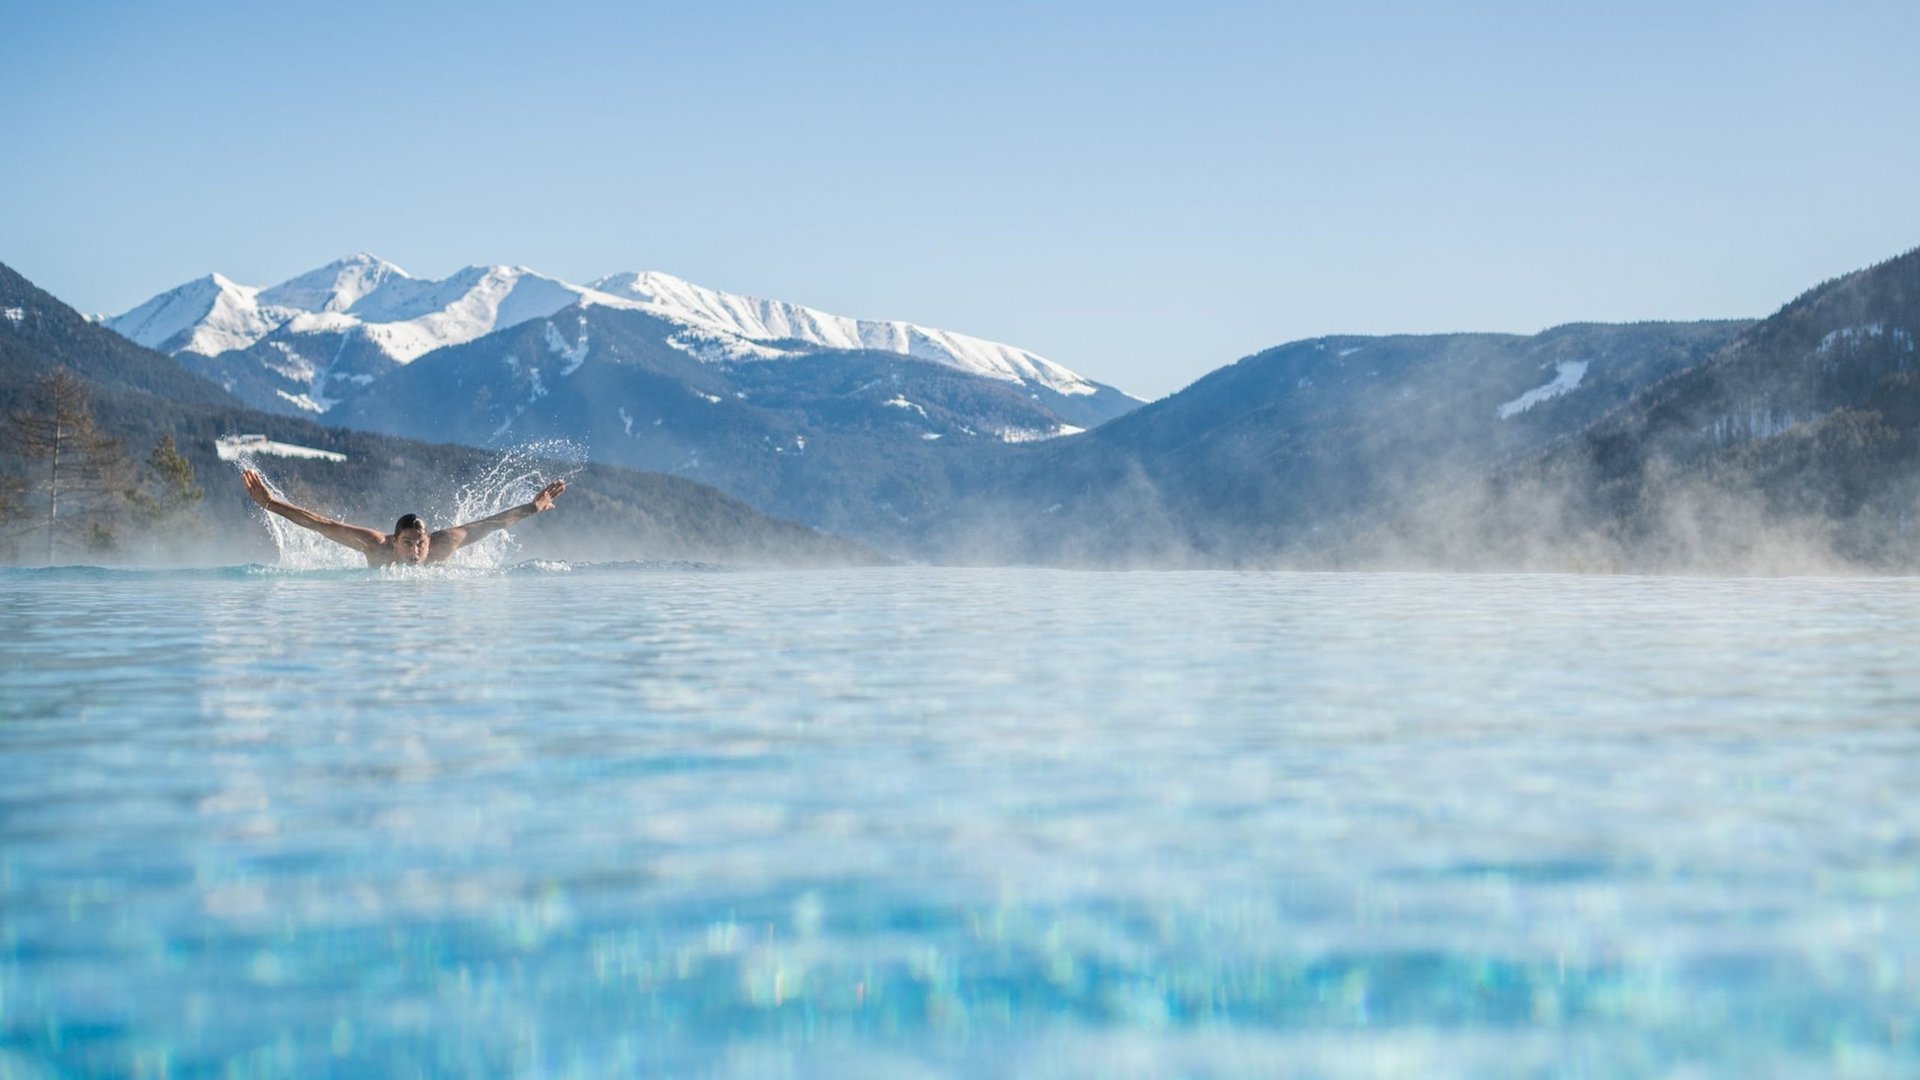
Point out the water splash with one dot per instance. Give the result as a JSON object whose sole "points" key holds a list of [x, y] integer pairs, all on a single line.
{"points": [[300, 549], [512, 478]]}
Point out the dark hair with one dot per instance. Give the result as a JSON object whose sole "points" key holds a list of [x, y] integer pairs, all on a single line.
{"points": [[408, 521]]}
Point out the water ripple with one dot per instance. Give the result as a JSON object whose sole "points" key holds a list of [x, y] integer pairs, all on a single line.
{"points": [[671, 818]]}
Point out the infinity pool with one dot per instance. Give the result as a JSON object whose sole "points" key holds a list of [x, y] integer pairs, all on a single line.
{"points": [[601, 820]]}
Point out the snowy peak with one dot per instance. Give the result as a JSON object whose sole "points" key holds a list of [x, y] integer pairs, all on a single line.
{"points": [[208, 315], [403, 316], [414, 318], [338, 286]]}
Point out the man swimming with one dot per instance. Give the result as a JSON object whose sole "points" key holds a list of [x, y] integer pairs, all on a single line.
{"points": [[410, 544]]}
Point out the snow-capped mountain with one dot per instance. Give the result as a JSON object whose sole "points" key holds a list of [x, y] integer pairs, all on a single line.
{"points": [[208, 316], [404, 316], [774, 320], [300, 345], [305, 344]]}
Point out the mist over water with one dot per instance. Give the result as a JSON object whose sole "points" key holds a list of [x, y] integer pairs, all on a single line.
{"points": [[585, 821]]}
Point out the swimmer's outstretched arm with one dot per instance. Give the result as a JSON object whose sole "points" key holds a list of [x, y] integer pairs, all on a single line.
{"points": [[451, 540], [358, 537]]}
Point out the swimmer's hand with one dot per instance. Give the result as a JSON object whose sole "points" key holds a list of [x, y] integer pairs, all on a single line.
{"points": [[257, 488], [544, 500]]}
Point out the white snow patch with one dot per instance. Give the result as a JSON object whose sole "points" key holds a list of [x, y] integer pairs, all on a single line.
{"points": [[329, 322], [507, 423], [1851, 334], [14, 315], [1026, 435], [295, 368], [626, 418], [234, 447], [574, 355], [900, 402], [929, 436], [712, 399], [302, 401], [1570, 372], [712, 348], [1350, 352]]}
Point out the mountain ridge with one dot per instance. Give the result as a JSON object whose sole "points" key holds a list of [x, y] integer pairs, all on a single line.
{"points": [[1282, 455], [1651, 444], [299, 329]]}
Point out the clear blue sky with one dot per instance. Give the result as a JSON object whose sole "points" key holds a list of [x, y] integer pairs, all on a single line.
{"points": [[1143, 192]]}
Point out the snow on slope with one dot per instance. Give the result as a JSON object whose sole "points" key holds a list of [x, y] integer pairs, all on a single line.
{"points": [[1568, 374], [774, 320], [407, 317], [470, 304]]}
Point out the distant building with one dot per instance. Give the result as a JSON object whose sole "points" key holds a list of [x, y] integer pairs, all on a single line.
{"points": [[235, 447]]}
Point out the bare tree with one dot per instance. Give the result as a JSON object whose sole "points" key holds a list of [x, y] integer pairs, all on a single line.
{"points": [[76, 476], [12, 504]]}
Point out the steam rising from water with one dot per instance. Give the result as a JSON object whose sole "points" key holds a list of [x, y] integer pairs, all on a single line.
{"points": [[513, 478]]}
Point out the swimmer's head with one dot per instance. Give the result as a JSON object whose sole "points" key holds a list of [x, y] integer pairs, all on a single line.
{"points": [[411, 539]]}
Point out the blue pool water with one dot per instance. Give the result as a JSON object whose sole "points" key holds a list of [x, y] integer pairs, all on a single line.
{"points": [[679, 820]]}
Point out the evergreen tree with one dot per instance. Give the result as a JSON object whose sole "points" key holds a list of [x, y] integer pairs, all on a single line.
{"points": [[170, 492], [76, 477]]}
